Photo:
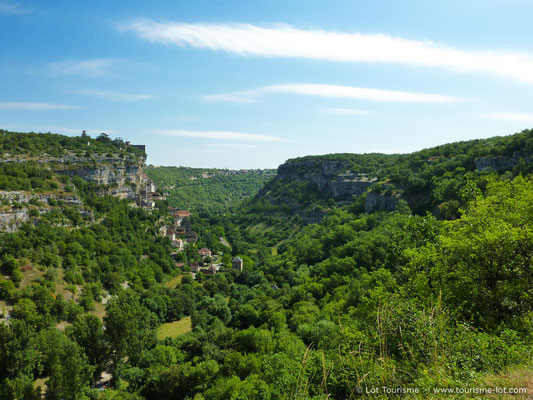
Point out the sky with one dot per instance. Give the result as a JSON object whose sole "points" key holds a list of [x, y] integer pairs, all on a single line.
{"points": [[250, 84]]}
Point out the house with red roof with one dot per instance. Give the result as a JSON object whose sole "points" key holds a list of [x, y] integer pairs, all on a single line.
{"points": [[204, 252]]}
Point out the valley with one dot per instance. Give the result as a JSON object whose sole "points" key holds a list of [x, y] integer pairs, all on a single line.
{"points": [[328, 278]]}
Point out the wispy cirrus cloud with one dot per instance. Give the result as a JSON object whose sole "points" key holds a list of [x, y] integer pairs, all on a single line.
{"points": [[222, 135], [28, 106], [94, 68], [512, 116], [116, 96], [10, 8], [333, 91], [346, 111], [287, 41], [244, 97]]}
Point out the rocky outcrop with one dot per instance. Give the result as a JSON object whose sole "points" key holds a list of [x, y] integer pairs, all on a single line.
{"points": [[377, 202], [15, 207], [120, 174], [501, 162], [331, 175], [12, 218], [24, 197], [124, 181], [353, 185]]}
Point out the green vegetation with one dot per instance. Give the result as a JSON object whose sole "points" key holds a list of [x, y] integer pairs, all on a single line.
{"points": [[174, 329], [38, 145], [208, 191], [392, 298], [26, 176], [172, 283], [437, 180]]}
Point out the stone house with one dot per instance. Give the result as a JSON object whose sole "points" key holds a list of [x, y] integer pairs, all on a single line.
{"points": [[204, 252], [237, 263]]}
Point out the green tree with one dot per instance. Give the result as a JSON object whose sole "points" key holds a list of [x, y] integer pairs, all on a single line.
{"points": [[87, 330], [129, 328], [482, 262]]}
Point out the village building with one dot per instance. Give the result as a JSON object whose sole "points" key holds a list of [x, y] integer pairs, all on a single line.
{"points": [[146, 192], [204, 252], [195, 268], [159, 196], [171, 234], [237, 263], [178, 244], [210, 271], [181, 216], [191, 236]]}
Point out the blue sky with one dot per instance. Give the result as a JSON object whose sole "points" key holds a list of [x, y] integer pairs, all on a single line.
{"points": [[245, 84]]}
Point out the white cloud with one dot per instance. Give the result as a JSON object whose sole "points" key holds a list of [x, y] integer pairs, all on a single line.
{"points": [[9, 8], [222, 135], [346, 111], [116, 96], [512, 116], [290, 42], [335, 91], [94, 68], [243, 97], [24, 106]]}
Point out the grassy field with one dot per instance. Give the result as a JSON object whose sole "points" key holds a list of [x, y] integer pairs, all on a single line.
{"points": [[30, 276], [99, 310], [174, 329], [171, 284]]}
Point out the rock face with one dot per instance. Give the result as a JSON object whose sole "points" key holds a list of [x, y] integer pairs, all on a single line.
{"points": [[501, 163], [120, 176], [124, 181], [25, 197], [14, 210], [331, 175], [377, 202], [123, 174], [11, 219]]}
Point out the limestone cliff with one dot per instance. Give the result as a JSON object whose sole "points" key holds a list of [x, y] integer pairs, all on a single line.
{"points": [[501, 162], [331, 175], [11, 218], [123, 181], [378, 202], [119, 175]]}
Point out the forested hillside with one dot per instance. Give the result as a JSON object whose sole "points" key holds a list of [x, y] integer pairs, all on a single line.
{"points": [[432, 180], [40, 145], [333, 302], [208, 190]]}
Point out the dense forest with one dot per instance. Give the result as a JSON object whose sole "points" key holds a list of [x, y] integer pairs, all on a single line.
{"points": [[425, 181], [207, 190], [435, 293]]}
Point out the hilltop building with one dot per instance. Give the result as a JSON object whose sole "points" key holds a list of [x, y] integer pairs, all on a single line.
{"points": [[237, 263]]}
